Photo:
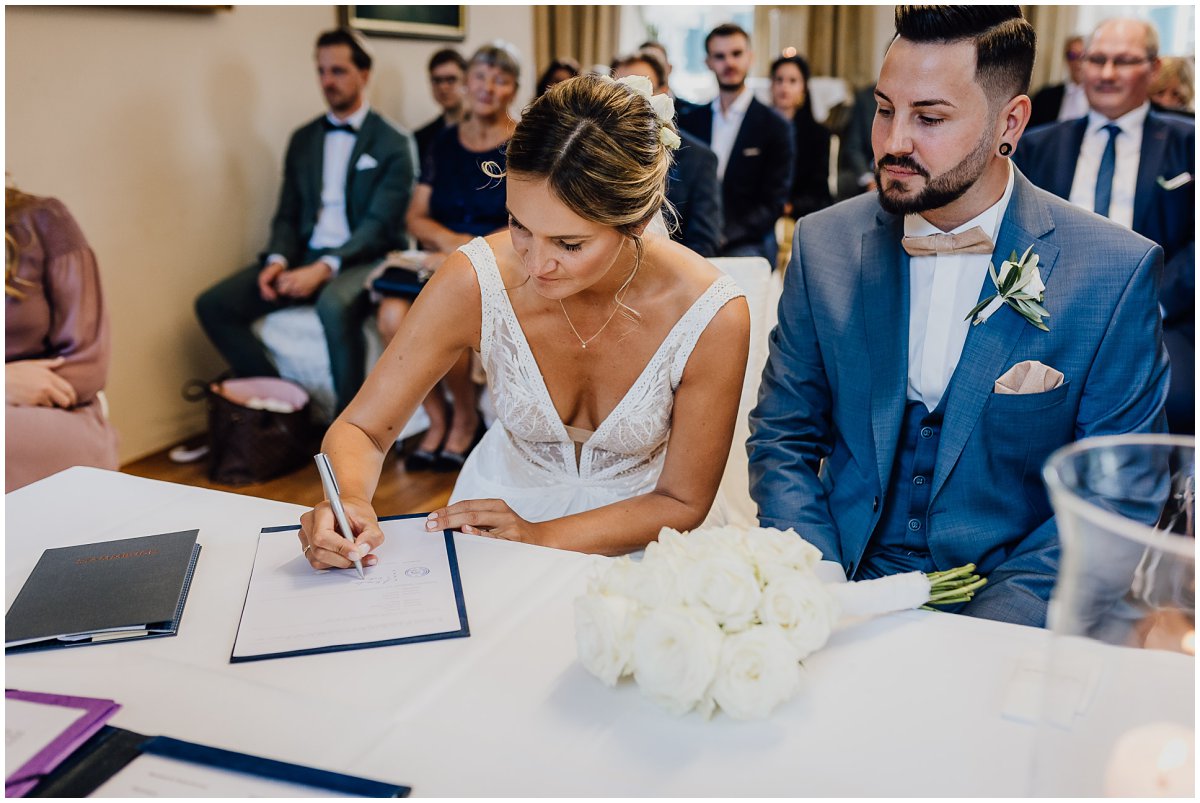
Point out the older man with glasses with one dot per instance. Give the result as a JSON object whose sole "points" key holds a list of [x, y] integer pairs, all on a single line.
{"points": [[1137, 167]]}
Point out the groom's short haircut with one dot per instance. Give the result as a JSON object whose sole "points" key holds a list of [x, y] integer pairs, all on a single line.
{"points": [[1005, 43]]}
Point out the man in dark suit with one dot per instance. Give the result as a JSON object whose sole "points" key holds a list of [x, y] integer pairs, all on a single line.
{"points": [[898, 428], [448, 83], [347, 179], [1136, 166], [692, 186], [1067, 100], [754, 147], [660, 50]]}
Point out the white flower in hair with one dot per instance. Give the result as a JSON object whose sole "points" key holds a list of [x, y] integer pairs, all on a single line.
{"points": [[663, 105]]}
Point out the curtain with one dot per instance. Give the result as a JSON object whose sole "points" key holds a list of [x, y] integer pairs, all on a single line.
{"points": [[587, 34], [1054, 25], [837, 40]]}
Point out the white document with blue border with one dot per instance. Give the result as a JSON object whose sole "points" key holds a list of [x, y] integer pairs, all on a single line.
{"points": [[413, 593]]}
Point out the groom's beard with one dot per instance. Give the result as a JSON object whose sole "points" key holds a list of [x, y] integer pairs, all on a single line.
{"points": [[938, 192]]}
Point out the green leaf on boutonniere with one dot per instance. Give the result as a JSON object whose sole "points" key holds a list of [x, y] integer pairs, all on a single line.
{"points": [[1019, 285]]}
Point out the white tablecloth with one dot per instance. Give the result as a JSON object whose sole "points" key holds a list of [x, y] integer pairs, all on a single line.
{"points": [[909, 704]]}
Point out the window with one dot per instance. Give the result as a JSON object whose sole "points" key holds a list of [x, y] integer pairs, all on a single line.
{"points": [[1176, 25]]}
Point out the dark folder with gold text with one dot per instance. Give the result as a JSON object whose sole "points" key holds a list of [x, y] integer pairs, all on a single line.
{"points": [[111, 591]]}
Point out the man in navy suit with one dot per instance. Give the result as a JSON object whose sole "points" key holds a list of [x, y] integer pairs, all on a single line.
{"points": [[891, 431], [347, 179], [1144, 180], [1067, 100], [692, 186], [754, 147]]}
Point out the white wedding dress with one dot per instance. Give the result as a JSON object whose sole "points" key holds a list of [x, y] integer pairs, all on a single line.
{"points": [[528, 458]]}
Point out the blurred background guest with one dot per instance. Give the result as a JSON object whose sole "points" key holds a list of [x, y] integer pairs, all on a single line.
{"points": [[447, 76], [454, 202], [1174, 88], [56, 346], [559, 70], [1065, 101], [692, 186], [810, 177], [659, 49]]}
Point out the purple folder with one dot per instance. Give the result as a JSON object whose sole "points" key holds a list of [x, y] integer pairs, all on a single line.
{"points": [[93, 713]]}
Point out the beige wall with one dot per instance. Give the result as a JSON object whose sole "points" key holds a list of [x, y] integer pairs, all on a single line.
{"points": [[164, 131]]}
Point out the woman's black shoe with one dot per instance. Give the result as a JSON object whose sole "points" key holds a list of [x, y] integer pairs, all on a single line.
{"points": [[448, 461], [421, 460]]}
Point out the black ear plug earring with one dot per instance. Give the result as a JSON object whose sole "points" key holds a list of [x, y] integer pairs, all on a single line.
{"points": [[1005, 149]]}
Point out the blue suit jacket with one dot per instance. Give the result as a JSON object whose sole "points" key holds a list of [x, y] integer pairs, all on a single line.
{"points": [[693, 189], [825, 431], [759, 173]]}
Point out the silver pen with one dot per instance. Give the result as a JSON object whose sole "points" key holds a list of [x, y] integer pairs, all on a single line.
{"points": [[334, 495]]}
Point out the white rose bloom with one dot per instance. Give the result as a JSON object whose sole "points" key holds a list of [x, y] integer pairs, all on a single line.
{"points": [[723, 581], [675, 653], [757, 671], [664, 106], [639, 84], [771, 548], [604, 635], [802, 607], [619, 576]]}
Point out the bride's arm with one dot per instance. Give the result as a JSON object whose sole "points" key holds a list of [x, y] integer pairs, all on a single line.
{"points": [[444, 320], [703, 418]]}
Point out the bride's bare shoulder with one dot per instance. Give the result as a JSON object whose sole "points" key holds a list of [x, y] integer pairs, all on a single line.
{"points": [[688, 273]]}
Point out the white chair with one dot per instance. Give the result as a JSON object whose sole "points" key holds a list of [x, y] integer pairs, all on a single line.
{"points": [[762, 287]]}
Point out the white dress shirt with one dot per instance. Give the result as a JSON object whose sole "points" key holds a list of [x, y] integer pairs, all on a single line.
{"points": [[333, 228], [725, 127], [1129, 156], [1074, 102], [942, 289]]}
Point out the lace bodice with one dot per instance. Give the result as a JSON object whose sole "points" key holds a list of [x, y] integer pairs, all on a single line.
{"points": [[633, 436]]}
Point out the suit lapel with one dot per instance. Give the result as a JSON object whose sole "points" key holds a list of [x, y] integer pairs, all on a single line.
{"points": [[986, 353], [362, 143], [316, 172], [884, 281], [1154, 146], [746, 131]]}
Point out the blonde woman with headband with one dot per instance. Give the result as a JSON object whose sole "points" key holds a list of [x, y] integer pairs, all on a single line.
{"points": [[615, 357]]}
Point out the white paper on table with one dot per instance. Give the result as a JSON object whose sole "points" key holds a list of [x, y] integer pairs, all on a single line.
{"points": [[158, 776], [1036, 693], [29, 727], [290, 608]]}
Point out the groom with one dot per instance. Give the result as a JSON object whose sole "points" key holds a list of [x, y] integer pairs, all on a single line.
{"points": [[892, 433]]}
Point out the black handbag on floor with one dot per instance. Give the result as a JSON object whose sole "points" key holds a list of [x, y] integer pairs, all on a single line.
{"points": [[258, 428]]}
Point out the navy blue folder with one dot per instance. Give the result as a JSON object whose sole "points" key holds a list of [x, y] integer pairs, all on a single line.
{"points": [[462, 632]]}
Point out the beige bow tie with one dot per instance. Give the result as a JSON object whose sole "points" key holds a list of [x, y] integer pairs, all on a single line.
{"points": [[971, 241]]}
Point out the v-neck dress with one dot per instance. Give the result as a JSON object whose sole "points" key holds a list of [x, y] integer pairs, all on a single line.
{"points": [[527, 458]]}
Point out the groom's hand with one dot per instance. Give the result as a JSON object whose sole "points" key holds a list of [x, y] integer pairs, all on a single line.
{"points": [[488, 517]]}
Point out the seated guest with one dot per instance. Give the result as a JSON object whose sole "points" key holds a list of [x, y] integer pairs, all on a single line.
{"points": [[559, 70], [55, 345], [659, 49], [454, 202], [1065, 101], [754, 146], [447, 72], [886, 430], [1174, 89], [692, 186], [856, 161], [789, 97], [347, 178], [1136, 166], [609, 426]]}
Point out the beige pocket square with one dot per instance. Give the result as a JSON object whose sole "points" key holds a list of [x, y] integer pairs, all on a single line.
{"points": [[751, 151], [1029, 376]]}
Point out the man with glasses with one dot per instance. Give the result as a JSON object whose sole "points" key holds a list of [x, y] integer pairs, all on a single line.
{"points": [[448, 83], [1065, 101], [1137, 167]]}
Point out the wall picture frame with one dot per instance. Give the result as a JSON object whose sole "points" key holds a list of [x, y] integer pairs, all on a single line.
{"points": [[418, 22]]}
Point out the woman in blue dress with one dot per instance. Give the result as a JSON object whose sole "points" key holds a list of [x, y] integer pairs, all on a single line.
{"points": [[454, 202]]}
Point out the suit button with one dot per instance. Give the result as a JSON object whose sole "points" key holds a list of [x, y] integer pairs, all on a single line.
{"points": [[914, 524], [926, 432], [918, 480]]}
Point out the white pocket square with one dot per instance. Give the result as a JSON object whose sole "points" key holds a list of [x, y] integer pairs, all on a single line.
{"points": [[1174, 183], [365, 162], [1029, 376], [751, 151]]}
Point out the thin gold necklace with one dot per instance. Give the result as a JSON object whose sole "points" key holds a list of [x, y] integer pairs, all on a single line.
{"points": [[582, 342]]}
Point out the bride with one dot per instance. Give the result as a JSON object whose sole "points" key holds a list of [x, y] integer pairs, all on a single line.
{"points": [[614, 356]]}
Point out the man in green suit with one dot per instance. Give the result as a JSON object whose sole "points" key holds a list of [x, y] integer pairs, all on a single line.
{"points": [[347, 179]]}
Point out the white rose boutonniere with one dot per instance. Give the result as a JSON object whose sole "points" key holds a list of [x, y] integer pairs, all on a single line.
{"points": [[1019, 285]]}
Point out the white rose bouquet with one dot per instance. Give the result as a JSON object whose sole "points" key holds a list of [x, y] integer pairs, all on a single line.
{"points": [[723, 617]]}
